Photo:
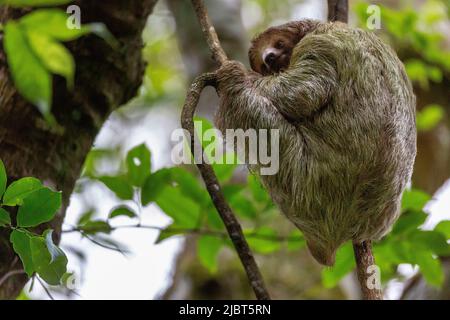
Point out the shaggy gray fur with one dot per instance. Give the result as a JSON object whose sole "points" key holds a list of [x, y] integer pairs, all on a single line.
{"points": [[346, 114]]}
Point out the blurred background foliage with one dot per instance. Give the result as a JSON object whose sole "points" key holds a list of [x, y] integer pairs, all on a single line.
{"points": [[175, 52]]}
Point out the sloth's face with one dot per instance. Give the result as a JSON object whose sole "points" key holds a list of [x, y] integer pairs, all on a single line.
{"points": [[271, 52], [277, 56]]}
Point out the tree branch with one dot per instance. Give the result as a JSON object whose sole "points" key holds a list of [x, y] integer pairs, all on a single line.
{"points": [[338, 10], [364, 259], [212, 39], [212, 184]]}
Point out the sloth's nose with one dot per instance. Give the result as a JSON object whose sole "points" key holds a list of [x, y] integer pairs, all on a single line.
{"points": [[269, 56]]}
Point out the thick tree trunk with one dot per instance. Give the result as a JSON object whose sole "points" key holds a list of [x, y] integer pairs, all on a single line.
{"points": [[105, 79]]}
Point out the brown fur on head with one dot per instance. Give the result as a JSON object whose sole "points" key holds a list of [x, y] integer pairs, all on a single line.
{"points": [[270, 52]]}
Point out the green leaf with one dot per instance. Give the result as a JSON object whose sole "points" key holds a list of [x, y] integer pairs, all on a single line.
{"points": [[429, 117], [154, 184], [31, 78], [183, 210], [19, 190], [408, 221], [345, 263], [201, 126], [433, 241], [168, 232], [119, 185], [52, 23], [430, 267], [242, 206], [34, 3], [106, 240], [21, 242], [138, 165], [208, 248], [39, 207], [3, 178], [85, 217], [264, 240], [190, 185], [224, 172], [258, 192], [122, 211], [296, 240], [49, 261], [444, 228], [95, 226], [213, 217], [55, 57], [414, 199], [5, 219], [231, 190]]}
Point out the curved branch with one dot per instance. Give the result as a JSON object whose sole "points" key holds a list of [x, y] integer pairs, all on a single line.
{"points": [[209, 31], [212, 185]]}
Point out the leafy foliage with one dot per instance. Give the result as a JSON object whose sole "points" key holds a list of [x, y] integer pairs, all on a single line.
{"points": [[418, 30], [429, 117], [34, 50], [181, 196], [36, 205]]}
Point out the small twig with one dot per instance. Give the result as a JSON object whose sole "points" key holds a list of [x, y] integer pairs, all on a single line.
{"points": [[338, 10], [364, 259], [45, 288], [9, 275], [101, 244], [200, 231]]}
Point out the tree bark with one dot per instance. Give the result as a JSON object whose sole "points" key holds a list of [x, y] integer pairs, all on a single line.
{"points": [[338, 10], [105, 79]]}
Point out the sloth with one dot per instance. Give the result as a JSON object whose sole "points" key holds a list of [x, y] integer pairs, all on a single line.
{"points": [[345, 111]]}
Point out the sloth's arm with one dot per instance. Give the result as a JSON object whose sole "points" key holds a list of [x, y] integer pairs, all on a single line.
{"points": [[242, 105], [296, 93], [308, 84]]}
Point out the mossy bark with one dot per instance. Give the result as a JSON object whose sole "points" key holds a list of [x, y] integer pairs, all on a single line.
{"points": [[105, 79]]}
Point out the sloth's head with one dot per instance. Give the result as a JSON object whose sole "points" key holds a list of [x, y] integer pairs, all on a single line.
{"points": [[270, 52]]}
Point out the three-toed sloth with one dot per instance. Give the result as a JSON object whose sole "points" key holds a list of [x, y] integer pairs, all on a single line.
{"points": [[345, 111]]}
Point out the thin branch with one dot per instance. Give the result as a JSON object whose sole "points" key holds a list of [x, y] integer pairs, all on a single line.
{"points": [[338, 10], [200, 231], [364, 259], [212, 185], [9, 275], [102, 245], [45, 289], [212, 39]]}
